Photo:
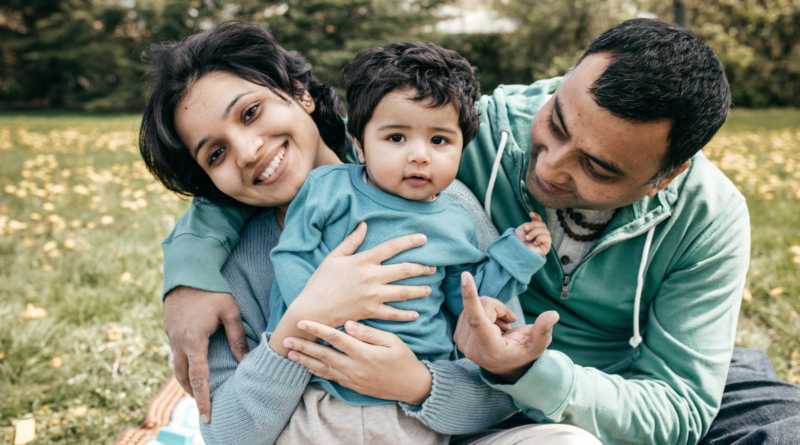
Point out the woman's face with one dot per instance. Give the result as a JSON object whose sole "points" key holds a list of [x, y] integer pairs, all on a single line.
{"points": [[255, 146]]}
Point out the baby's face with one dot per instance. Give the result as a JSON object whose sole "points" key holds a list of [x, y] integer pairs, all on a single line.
{"points": [[411, 150]]}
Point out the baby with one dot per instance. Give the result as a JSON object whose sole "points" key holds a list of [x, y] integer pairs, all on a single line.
{"points": [[411, 112]]}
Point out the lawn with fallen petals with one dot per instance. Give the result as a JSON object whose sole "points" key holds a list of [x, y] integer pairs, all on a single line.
{"points": [[82, 348]]}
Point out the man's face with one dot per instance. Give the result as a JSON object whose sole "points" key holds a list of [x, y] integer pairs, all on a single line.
{"points": [[584, 157]]}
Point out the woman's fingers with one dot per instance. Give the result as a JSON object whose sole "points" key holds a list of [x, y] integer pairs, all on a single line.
{"points": [[396, 272], [388, 313], [370, 335], [384, 251], [315, 366], [336, 338], [351, 243], [398, 292]]}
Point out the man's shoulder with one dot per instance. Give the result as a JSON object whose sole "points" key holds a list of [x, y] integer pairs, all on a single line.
{"points": [[706, 185]]}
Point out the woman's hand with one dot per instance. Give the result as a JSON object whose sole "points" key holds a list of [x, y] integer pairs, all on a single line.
{"points": [[371, 362], [191, 316], [354, 287]]}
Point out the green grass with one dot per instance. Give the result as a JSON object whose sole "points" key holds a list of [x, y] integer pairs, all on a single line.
{"points": [[87, 368]]}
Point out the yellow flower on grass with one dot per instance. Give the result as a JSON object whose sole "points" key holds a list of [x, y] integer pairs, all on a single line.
{"points": [[80, 189], [795, 250], [125, 277], [75, 223], [777, 291], [796, 260], [48, 206], [2, 356], [79, 410], [16, 226], [10, 189], [32, 312], [50, 245], [747, 295], [47, 268], [69, 244], [114, 333], [36, 217], [91, 225], [56, 362], [108, 219]]}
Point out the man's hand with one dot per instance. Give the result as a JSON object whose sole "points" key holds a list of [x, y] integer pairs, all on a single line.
{"points": [[508, 354], [191, 316]]}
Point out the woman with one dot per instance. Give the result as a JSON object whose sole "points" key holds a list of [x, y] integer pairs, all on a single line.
{"points": [[224, 102]]}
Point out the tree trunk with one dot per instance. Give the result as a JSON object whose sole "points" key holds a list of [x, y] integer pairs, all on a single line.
{"points": [[680, 13]]}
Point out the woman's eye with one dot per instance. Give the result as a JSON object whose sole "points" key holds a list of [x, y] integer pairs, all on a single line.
{"points": [[250, 113], [438, 140], [397, 138], [215, 155]]}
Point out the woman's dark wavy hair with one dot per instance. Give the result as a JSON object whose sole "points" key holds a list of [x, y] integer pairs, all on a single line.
{"points": [[239, 48]]}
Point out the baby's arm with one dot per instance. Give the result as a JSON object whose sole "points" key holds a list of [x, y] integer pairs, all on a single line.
{"points": [[535, 235]]}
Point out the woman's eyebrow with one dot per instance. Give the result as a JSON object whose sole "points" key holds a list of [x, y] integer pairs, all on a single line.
{"points": [[233, 102]]}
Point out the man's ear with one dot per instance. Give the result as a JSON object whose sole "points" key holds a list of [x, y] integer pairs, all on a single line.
{"points": [[662, 184], [359, 151]]}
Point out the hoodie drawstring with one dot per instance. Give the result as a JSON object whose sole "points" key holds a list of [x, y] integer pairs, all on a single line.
{"points": [[636, 339], [487, 206]]}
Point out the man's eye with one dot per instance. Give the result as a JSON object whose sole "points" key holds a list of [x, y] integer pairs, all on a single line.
{"points": [[397, 138], [438, 140], [558, 134], [250, 113], [594, 173], [215, 155]]}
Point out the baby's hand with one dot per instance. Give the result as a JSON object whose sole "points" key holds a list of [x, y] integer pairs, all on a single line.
{"points": [[535, 235]]}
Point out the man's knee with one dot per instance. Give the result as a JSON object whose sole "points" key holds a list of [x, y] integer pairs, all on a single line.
{"points": [[749, 365]]}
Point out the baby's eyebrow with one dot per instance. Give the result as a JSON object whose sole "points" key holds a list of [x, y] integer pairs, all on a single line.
{"points": [[406, 127]]}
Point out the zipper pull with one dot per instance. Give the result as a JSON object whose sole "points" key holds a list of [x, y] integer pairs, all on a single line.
{"points": [[565, 288]]}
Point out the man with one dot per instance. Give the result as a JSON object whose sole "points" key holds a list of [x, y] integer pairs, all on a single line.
{"points": [[651, 246]]}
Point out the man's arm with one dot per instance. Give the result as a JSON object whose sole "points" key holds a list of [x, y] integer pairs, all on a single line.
{"points": [[677, 379], [200, 243]]}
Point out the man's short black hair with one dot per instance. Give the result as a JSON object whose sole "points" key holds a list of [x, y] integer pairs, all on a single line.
{"points": [[440, 77], [660, 71]]}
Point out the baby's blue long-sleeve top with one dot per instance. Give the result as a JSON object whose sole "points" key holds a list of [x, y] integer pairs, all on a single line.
{"points": [[334, 199]]}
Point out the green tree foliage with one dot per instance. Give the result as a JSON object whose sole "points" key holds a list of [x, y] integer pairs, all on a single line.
{"points": [[85, 54]]}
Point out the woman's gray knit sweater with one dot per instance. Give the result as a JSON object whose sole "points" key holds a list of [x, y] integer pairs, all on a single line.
{"points": [[253, 401]]}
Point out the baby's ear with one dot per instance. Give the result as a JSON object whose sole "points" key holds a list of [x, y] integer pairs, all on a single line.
{"points": [[359, 150]]}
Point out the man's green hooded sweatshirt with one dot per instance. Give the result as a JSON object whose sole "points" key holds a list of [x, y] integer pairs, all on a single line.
{"points": [[663, 387]]}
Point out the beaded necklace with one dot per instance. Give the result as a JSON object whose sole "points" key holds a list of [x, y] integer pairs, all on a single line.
{"points": [[578, 219]]}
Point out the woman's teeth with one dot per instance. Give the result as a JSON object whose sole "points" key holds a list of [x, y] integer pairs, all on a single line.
{"points": [[276, 161]]}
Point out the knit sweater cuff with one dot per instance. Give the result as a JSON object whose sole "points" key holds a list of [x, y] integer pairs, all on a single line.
{"points": [[516, 258], [278, 369], [443, 385], [194, 261], [545, 387]]}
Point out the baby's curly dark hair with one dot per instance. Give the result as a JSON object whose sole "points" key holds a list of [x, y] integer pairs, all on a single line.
{"points": [[440, 76]]}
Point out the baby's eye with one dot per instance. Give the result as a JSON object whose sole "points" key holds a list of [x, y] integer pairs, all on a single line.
{"points": [[215, 155], [397, 138], [438, 140]]}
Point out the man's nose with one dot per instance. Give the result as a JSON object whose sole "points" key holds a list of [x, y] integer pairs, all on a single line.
{"points": [[552, 162]]}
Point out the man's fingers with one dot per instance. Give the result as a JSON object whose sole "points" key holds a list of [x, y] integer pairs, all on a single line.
{"points": [[473, 312], [542, 332], [384, 251], [234, 330], [198, 380], [351, 243], [182, 370], [396, 272]]}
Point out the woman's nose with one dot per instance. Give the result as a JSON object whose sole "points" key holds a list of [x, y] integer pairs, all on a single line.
{"points": [[247, 149]]}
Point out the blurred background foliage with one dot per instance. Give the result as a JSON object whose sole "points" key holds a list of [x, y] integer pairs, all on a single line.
{"points": [[86, 54]]}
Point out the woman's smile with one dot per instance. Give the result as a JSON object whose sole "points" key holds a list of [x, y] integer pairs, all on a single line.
{"points": [[272, 166]]}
